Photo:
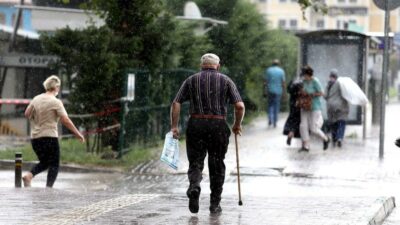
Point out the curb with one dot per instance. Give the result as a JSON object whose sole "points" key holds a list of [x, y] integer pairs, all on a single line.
{"points": [[27, 165], [387, 205]]}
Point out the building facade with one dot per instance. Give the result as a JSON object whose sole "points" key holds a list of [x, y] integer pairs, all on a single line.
{"points": [[356, 15], [25, 67]]}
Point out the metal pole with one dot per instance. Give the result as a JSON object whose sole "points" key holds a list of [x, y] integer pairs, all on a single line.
{"points": [[122, 129], [11, 46], [18, 169], [365, 77], [16, 26], [384, 81], [124, 110]]}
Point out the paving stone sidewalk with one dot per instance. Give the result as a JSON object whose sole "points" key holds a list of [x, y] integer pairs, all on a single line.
{"points": [[343, 186], [49, 206]]}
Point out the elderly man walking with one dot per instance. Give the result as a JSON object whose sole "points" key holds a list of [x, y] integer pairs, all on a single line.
{"points": [[207, 131]]}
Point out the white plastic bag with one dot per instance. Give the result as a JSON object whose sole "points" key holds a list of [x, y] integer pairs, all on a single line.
{"points": [[352, 92], [170, 153]]}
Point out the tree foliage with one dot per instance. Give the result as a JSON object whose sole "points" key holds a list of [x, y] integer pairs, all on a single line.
{"points": [[246, 45], [315, 5], [90, 65], [144, 35], [94, 59]]}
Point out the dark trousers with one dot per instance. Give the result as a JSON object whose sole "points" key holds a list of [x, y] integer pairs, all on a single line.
{"points": [[47, 150], [338, 129], [207, 136]]}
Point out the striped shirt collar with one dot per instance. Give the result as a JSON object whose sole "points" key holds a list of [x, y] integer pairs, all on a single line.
{"points": [[208, 69]]}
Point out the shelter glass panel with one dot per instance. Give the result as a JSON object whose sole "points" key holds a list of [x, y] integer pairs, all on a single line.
{"points": [[343, 57]]}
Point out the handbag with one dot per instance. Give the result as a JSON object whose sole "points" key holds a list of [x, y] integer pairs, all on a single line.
{"points": [[304, 101]]}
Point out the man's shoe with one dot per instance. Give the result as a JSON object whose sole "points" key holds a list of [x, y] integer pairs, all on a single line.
{"points": [[339, 143], [326, 143], [304, 149], [215, 209], [193, 195]]}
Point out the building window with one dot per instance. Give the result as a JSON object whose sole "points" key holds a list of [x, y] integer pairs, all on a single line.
{"points": [[295, 1], [282, 23], [341, 1], [353, 1], [338, 23], [320, 24], [282, 1], [293, 24], [353, 21], [262, 1]]}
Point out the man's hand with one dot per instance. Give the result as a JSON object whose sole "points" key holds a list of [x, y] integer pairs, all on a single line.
{"points": [[237, 129], [175, 133], [239, 114]]}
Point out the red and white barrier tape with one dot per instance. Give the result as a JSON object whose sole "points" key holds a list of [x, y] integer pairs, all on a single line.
{"points": [[95, 131], [96, 114], [15, 101]]}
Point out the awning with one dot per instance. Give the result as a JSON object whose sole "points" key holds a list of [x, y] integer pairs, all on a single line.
{"points": [[20, 32]]}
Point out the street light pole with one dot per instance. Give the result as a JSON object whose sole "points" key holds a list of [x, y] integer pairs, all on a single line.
{"points": [[384, 81]]}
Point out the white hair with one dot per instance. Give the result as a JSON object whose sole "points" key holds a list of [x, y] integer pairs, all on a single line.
{"points": [[209, 59], [51, 83]]}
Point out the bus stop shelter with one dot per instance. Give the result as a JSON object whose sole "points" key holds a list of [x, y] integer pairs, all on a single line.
{"points": [[343, 50]]}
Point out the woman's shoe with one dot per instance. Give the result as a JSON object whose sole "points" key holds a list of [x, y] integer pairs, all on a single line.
{"points": [[304, 149], [289, 141], [326, 144]]}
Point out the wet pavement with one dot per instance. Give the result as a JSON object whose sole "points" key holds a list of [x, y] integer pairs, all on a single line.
{"points": [[279, 186]]}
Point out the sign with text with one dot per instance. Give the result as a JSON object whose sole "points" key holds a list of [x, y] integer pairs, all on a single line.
{"points": [[27, 60], [130, 95]]}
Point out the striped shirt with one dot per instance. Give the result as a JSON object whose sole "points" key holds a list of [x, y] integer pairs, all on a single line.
{"points": [[209, 92]]}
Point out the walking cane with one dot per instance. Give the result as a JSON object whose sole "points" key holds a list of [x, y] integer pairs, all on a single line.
{"points": [[238, 173]]}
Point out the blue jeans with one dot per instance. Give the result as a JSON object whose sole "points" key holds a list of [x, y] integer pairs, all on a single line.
{"points": [[338, 129], [274, 105]]}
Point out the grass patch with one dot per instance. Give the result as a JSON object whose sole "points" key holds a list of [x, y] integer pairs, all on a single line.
{"points": [[72, 151]]}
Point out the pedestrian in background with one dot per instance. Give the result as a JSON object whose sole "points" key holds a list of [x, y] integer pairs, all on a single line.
{"points": [[292, 125], [44, 112], [337, 109], [207, 131], [274, 88], [311, 119]]}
